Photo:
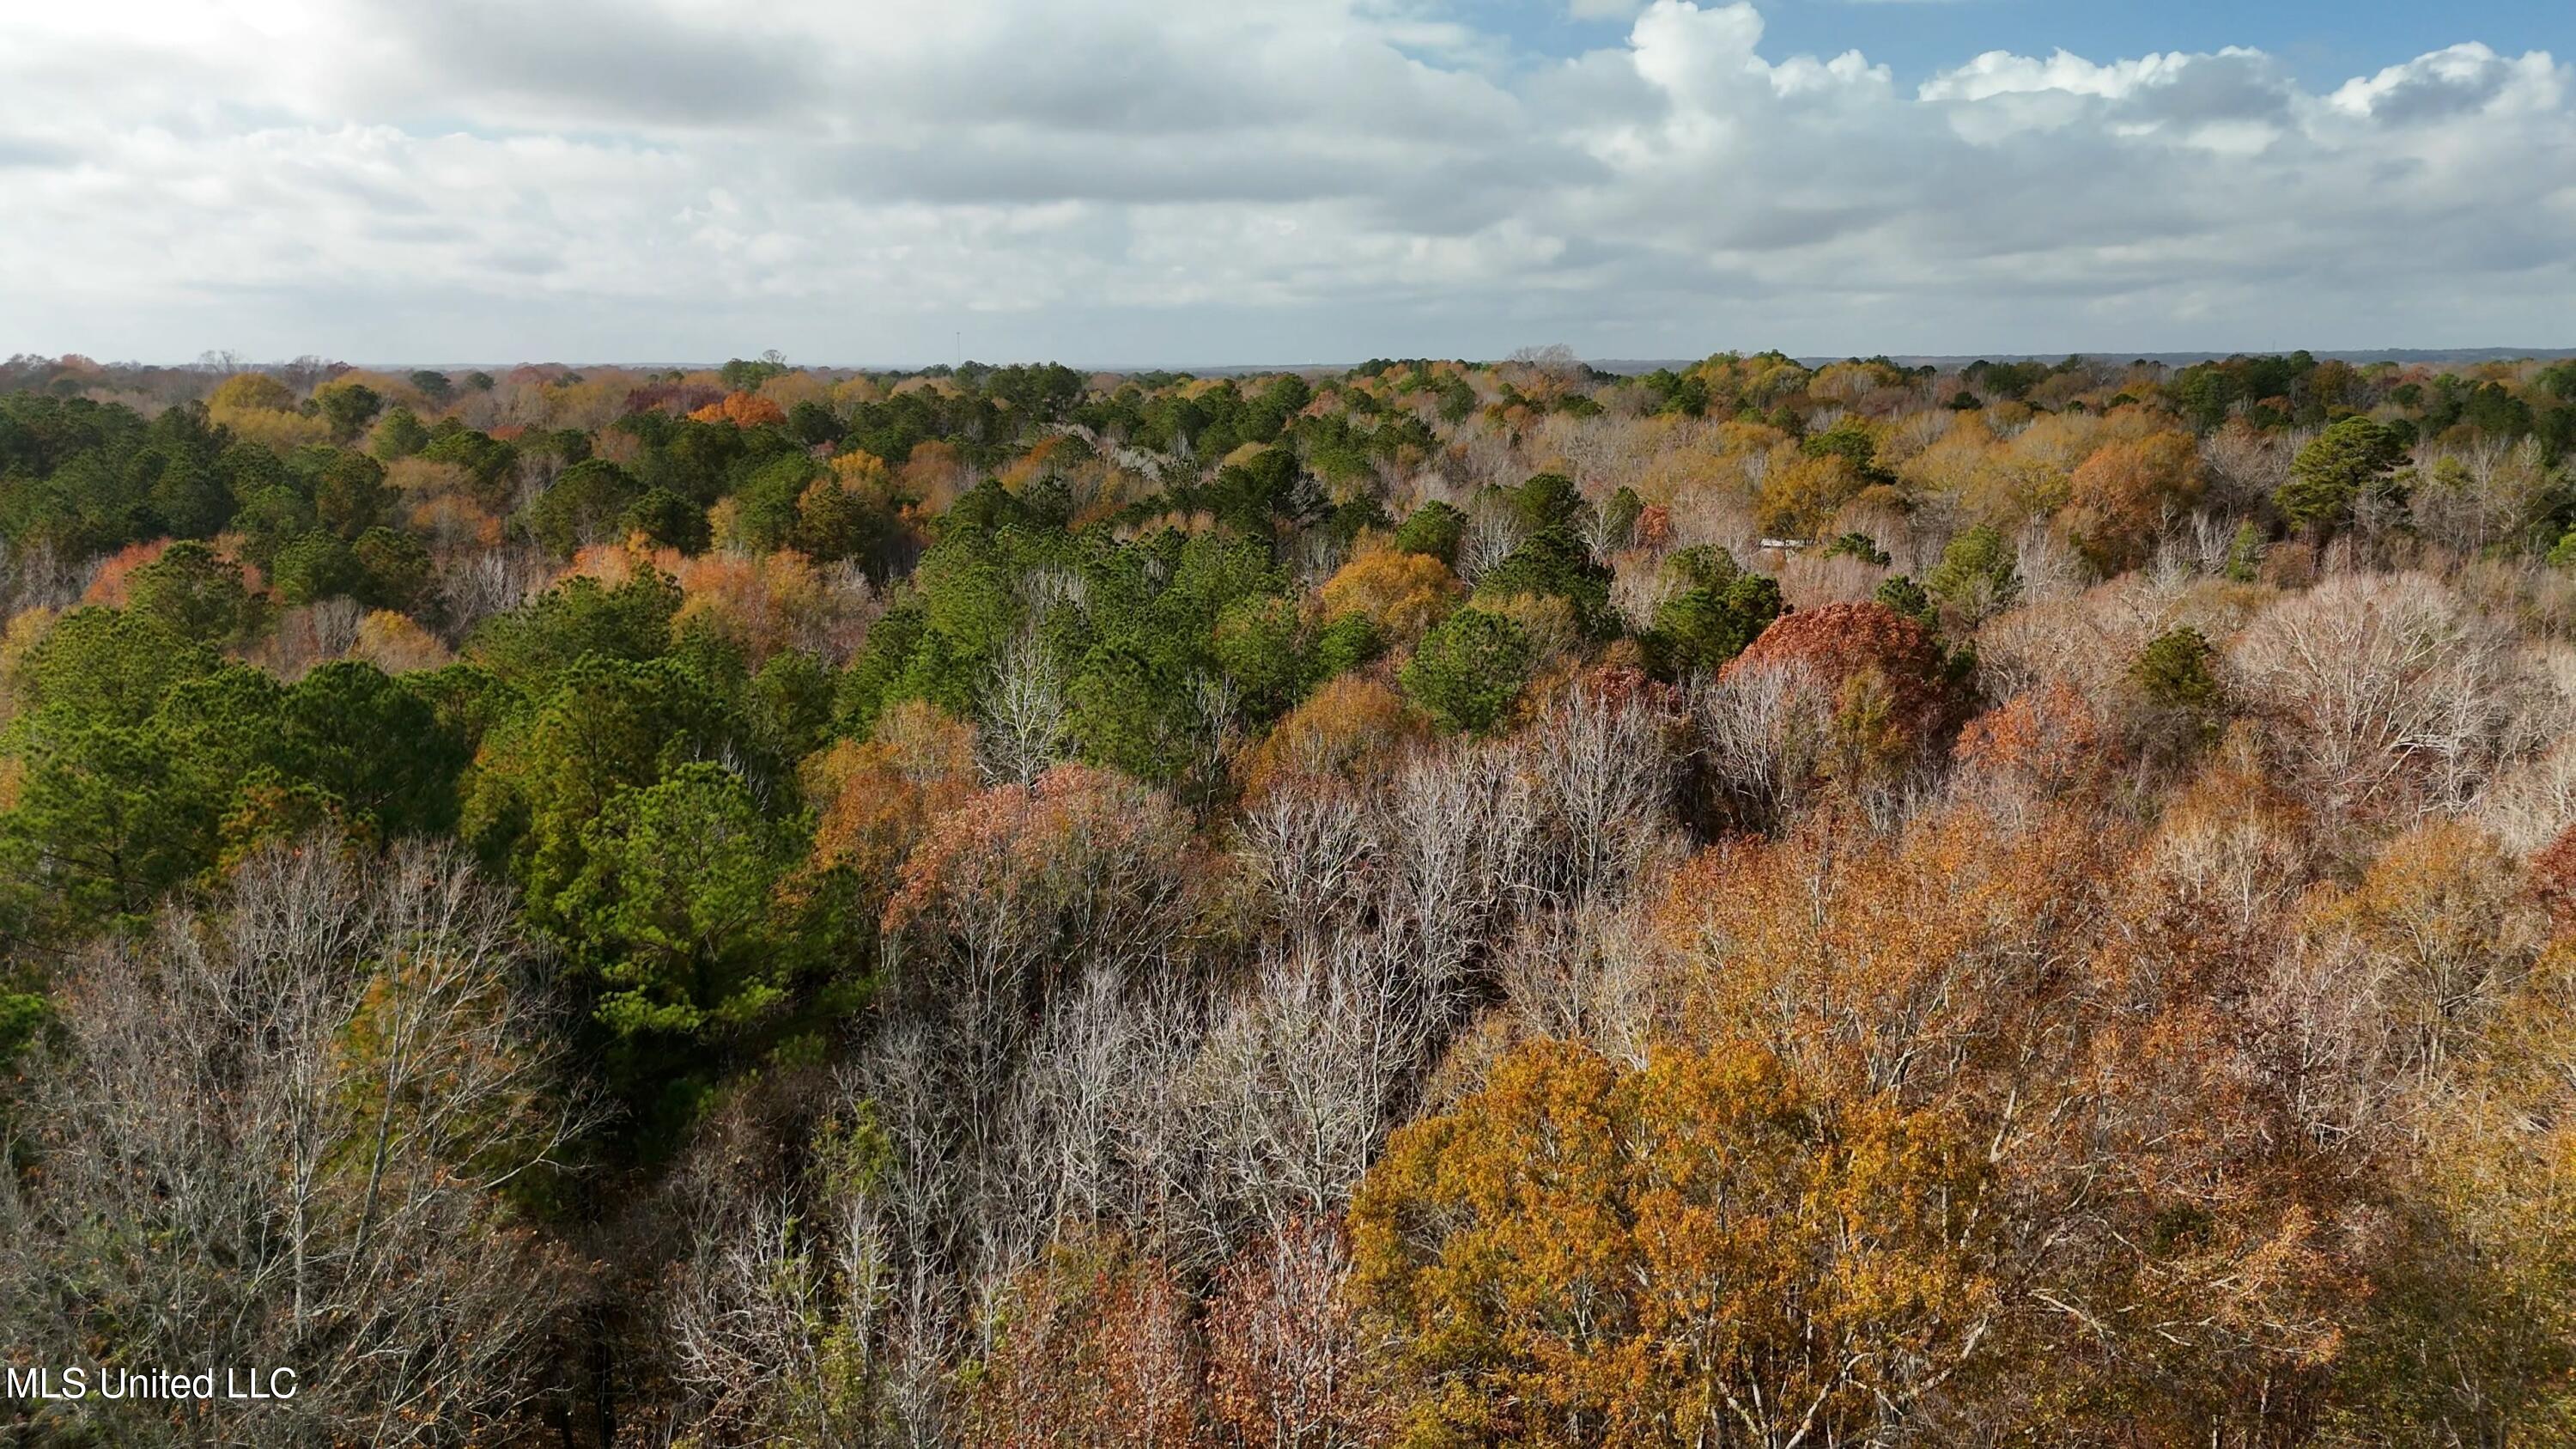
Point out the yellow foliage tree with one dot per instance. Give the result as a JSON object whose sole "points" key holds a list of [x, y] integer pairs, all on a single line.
{"points": [[1800, 494], [251, 391], [395, 644], [1401, 593], [1704, 1251]]}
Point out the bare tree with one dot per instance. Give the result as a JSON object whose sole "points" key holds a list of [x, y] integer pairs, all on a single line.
{"points": [[33, 576], [772, 1321], [1492, 534], [478, 585], [1604, 534], [1462, 854], [1287, 1352], [1308, 849], [1591, 974], [1554, 361], [333, 1084], [2245, 466], [1302, 1074], [1760, 736], [1606, 785], [2390, 690], [1026, 727]]}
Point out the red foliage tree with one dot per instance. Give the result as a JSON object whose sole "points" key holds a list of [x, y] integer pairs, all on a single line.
{"points": [[2553, 880], [1287, 1362], [1840, 641], [1095, 1350]]}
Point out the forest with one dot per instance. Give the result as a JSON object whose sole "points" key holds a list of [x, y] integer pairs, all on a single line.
{"points": [[1754, 906]]}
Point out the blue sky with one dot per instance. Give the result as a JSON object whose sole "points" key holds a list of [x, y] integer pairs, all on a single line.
{"points": [[1119, 182], [2321, 41]]}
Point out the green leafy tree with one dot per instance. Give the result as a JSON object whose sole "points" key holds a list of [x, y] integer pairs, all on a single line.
{"points": [[1345, 644], [1469, 668], [1702, 566], [111, 811], [378, 749], [788, 705], [1436, 529], [871, 681], [487, 462], [1901, 593], [396, 569], [2175, 670], [1127, 715], [675, 907], [109, 818], [1547, 500], [1700, 628], [271, 514], [192, 499], [1978, 575], [667, 519], [1258, 647], [1860, 546], [2245, 553], [1553, 561], [108, 666], [2350, 459], [603, 725], [348, 407], [833, 522], [1851, 441], [747, 374], [314, 566], [197, 594], [582, 507], [349, 494], [227, 724], [400, 435], [531, 645], [765, 507]]}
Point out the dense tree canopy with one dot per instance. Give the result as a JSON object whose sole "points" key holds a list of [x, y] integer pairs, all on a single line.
{"points": [[1442, 903]]}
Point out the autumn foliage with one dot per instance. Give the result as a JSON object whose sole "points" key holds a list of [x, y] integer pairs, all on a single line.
{"points": [[742, 409], [1749, 905], [1696, 1250]]}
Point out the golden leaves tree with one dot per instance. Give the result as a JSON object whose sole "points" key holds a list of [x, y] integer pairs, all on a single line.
{"points": [[1704, 1251]]}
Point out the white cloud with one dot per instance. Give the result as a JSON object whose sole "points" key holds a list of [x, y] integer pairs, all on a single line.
{"points": [[1137, 180]]}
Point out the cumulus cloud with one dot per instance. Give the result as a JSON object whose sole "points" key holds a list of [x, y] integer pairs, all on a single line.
{"points": [[1138, 180]]}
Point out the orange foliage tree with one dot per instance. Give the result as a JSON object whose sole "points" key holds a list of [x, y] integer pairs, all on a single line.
{"points": [[874, 800], [764, 602], [2120, 496], [108, 586], [1875, 677], [2038, 744], [1015, 884], [742, 409], [1353, 728], [2166, 1253]]}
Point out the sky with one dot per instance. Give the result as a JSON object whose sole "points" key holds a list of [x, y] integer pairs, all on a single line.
{"points": [[1138, 183]]}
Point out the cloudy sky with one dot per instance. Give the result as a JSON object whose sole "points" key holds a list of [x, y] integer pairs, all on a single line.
{"points": [[1132, 181]]}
